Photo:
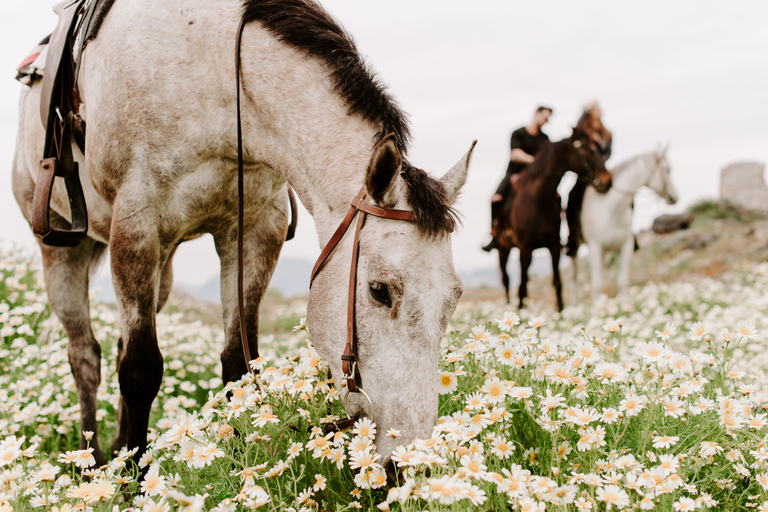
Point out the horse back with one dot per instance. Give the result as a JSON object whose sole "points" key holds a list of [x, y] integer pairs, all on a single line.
{"points": [[158, 88]]}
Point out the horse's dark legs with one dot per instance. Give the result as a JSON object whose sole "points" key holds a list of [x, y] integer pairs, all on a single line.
{"points": [[573, 216], [66, 272], [121, 426], [503, 259], [555, 252], [264, 238], [136, 257], [525, 262], [166, 282]]}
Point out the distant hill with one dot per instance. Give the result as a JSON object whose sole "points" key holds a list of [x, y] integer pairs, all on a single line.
{"points": [[719, 237], [490, 277], [291, 279]]}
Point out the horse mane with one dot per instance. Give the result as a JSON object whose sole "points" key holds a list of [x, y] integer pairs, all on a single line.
{"points": [[305, 26], [625, 164], [539, 165], [432, 213]]}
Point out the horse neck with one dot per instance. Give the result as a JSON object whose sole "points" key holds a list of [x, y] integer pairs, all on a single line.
{"points": [[629, 176], [301, 128], [550, 169]]}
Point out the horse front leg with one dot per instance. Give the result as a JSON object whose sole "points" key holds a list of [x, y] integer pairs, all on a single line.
{"points": [[625, 261], [66, 281], [554, 250], [263, 239], [503, 260], [136, 261], [66, 271], [526, 255]]}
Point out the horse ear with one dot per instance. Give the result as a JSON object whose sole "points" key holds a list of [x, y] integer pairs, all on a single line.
{"points": [[454, 179], [661, 151], [383, 170]]}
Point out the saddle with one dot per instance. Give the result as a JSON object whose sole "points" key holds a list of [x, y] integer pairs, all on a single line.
{"points": [[79, 23]]}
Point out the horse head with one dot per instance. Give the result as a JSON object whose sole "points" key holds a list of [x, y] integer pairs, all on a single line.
{"points": [[660, 180], [405, 291], [586, 160]]}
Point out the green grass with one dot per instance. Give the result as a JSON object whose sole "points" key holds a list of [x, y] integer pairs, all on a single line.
{"points": [[585, 449]]}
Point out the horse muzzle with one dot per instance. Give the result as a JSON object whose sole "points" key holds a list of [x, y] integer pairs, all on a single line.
{"points": [[602, 186]]}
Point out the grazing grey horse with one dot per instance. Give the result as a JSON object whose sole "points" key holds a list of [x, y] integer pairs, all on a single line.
{"points": [[606, 219], [159, 99]]}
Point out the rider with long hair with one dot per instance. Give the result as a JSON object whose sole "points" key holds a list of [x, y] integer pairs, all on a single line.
{"points": [[590, 122]]}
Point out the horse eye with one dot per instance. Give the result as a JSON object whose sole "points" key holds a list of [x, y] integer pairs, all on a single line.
{"points": [[380, 292]]}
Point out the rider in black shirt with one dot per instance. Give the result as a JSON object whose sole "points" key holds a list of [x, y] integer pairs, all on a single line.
{"points": [[525, 143]]}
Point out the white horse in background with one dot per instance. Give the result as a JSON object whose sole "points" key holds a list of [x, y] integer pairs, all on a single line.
{"points": [[606, 219]]}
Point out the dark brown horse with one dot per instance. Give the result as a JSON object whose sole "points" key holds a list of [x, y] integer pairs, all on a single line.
{"points": [[531, 218]]}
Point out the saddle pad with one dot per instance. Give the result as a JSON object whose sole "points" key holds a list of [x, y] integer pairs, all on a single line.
{"points": [[31, 68], [100, 12]]}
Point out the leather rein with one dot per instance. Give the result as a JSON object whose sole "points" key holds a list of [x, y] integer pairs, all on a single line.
{"points": [[360, 204]]}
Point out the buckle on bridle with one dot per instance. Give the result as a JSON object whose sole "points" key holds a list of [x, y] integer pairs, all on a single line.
{"points": [[351, 374]]}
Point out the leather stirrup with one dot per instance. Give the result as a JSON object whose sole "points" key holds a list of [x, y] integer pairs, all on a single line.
{"points": [[58, 160]]}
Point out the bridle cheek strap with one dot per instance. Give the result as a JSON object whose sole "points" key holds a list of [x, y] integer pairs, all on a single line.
{"points": [[349, 364], [349, 356]]}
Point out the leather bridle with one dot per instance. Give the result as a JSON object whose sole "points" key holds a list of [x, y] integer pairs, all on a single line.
{"points": [[360, 204], [349, 361], [591, 172], [655, 169]]}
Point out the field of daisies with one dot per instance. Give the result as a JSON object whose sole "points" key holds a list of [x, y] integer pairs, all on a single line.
{"points": [[656, 400]]}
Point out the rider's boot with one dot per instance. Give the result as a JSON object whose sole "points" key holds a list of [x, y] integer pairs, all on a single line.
{"points": [[572, 216], [572, 247], [495, 212], [492, 244]]}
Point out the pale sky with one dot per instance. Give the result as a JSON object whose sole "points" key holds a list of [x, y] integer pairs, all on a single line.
{"points": [[689, 73]]}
